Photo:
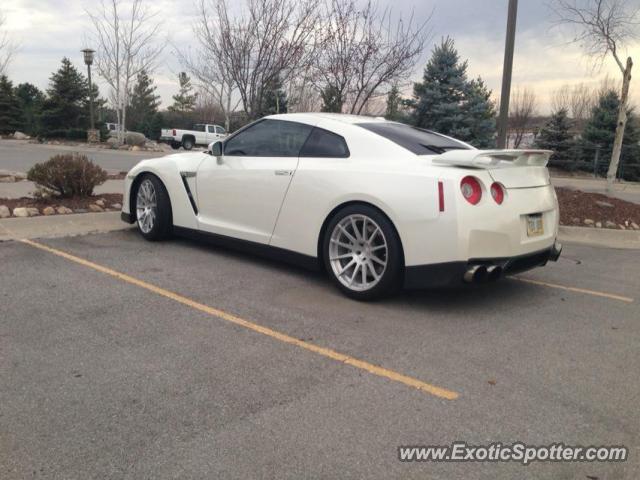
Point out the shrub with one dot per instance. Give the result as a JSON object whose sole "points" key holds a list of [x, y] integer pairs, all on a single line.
{"points": [[68, 175]]}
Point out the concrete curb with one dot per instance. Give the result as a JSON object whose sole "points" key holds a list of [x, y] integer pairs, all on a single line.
{"points": [[600, 237], [60, 225]]}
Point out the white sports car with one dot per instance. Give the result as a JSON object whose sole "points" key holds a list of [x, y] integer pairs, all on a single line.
{"points": [[378, 204]]}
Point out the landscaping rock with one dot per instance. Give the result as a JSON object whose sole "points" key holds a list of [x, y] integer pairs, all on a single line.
{"points": [[4, 211], [589, 222], [635, 226], [600, 203], [48, 211], [135, 148], [622, 227], [123, 147], [134, 139], [609, 224], [21, 136], [598, 224], [64, 210], [33, 211], [95, 208], [113, 141], [100, 203], [7, 179], [116, 206], [20, 212]]}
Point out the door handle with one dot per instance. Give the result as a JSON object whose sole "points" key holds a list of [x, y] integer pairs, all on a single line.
{"points": [[283, 172]]}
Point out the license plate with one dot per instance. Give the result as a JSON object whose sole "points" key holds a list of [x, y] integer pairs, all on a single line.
{"points": [[535, 226]]}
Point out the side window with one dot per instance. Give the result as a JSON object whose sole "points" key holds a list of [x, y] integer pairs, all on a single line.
{"points": [[269, 138], [199, 127], [220, 130], [211, 129], [322, 143]]}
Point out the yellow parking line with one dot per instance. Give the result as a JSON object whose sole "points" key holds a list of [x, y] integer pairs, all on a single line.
{"points": [[325, 352], [576, 289]]}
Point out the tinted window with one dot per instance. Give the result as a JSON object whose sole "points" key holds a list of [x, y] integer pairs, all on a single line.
{"points": [[199, 127], [219, 130], [416, 140], [211, 129], [322, 143], [269, 138]]}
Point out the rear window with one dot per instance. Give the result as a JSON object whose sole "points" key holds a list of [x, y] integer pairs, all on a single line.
{"points": [[416, 140], [322, 143]]}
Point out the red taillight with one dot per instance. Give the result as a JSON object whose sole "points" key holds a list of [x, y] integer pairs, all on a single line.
{"points": [[441, 196], [497, 192], [174, 132], [471, 189]]}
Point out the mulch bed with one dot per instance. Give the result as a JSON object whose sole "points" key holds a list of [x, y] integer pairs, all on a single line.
{"points": [[577, 206], [74, 203]]}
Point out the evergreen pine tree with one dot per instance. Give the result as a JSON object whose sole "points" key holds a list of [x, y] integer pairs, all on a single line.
{"points": [[394, 100], [9, 107], [556, 136], [185, 100], [144, 106], [274, 99], [599, 133], [332, 100], [31, 99], [66, 106], [447, 102]]}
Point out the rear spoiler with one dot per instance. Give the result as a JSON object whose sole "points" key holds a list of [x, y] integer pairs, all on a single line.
{"points": [[494, 158]]}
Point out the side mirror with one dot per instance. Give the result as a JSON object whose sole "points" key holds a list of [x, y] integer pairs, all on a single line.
{"points": [[215, 149]]}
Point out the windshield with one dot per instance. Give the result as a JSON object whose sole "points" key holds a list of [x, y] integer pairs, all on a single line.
{"points": [[414, 139]]}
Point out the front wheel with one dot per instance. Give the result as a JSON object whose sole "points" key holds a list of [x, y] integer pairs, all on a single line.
{"points": [[153, 208], [362, 253]]}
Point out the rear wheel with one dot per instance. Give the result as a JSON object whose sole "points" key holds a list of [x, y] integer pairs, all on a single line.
{"points": [[153, 208], [187, 143], [362, 253], [175, 145]]}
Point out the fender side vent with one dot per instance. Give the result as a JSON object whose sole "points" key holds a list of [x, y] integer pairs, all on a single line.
{"points": [[184, 176]]}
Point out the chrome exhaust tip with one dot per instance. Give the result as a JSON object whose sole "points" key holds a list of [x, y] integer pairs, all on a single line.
{"points": [[475, 274], [494, 272], [556, 250]]}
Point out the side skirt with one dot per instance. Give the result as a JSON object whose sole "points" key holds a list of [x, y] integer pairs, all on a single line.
{"points": [[258, 249]]}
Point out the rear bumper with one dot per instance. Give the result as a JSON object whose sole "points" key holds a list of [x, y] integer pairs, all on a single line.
{"points": [[451, 274], [167, 139]]}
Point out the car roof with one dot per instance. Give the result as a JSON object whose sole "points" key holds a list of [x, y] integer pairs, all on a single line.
{"points": [[313, 117]]}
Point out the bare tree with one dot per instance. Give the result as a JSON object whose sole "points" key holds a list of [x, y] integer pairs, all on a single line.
{"points": [[268, 43], [523, 109], [603, 27], [7, 48], [126, 35], [363, 50], [578, 100]]}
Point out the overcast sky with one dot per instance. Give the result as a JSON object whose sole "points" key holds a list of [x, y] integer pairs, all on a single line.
{"points": [[48, 30]]}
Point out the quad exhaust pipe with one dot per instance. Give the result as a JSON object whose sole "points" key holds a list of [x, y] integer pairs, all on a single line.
{"points": [[482, 273]]}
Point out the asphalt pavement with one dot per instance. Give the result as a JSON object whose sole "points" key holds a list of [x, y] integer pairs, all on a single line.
{"points": [[121, 358], [19, 155]]}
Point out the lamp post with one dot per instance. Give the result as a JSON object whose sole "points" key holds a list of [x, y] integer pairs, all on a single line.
{"points": [[88, 60]]}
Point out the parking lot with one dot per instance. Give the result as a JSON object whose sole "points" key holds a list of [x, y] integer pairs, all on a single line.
{"points": [[122, 358]]}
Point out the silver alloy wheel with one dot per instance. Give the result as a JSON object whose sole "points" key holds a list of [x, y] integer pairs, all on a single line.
{"points": [[146, 206], [358, 252]]}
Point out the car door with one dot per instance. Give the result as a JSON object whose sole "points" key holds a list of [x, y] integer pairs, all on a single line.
{"points": [[240, 193], [212, 136]]}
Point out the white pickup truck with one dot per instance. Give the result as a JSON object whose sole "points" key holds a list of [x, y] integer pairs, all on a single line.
{"points": [[200, 134]]}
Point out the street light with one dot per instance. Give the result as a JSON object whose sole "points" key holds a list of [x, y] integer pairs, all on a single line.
{"points": [[88, 60]]}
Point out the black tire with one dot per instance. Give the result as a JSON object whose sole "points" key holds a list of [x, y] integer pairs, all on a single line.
{"points": [[389, 279], [175, 145], [187, 143], [163, 221]]}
